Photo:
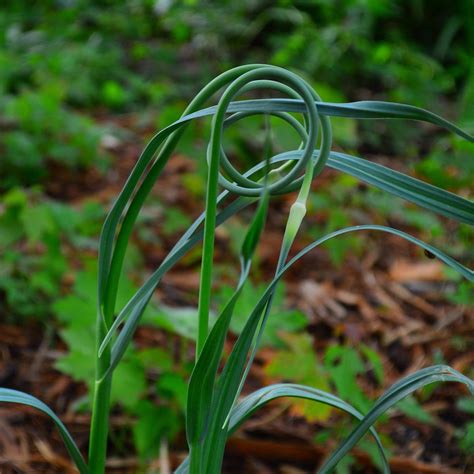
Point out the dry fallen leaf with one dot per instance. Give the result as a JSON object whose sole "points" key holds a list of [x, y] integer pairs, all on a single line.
{"points": [[403, 271]]}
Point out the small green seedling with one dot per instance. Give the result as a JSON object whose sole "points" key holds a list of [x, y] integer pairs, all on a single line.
{"points": [[214, 410]]}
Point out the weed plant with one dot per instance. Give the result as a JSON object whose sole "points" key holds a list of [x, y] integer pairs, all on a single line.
{"points": [[214, 406]]}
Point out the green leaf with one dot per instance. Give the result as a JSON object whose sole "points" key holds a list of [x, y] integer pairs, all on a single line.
{"points": [[346, 465], [14, 396], [73, 310], [179, 320], [202, 381], [398, 391], [129, 383], [79, 362], [154, 423], [467, 441], [252, 237], [411, 408], [466, 404], [37, 222], [253, 402], [173, 386], [356, 110], [175, 221], [299, 363], [411, 189], [463, 295], [374, 358], [280, 321], [343, 365], [156, 358]]}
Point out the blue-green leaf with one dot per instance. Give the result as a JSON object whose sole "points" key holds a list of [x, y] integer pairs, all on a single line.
{"points": [[14, 396]]}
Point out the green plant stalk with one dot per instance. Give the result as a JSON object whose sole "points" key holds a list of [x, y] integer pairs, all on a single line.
{"points": [[199, 449], [207, 256], [215, 443], [239, 84], [207, 365], [213, 450], [100, 406], [295, 218]]}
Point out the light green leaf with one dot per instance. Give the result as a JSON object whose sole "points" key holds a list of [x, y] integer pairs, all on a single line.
{"points": [[411, 408], [129, 383], [299, 363], [280, 321]]}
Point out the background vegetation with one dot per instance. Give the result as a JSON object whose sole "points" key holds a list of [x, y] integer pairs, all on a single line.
{"points": [[83, 84]]}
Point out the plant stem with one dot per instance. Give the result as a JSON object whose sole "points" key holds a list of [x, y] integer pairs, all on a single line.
{"points": [[100, 408]]}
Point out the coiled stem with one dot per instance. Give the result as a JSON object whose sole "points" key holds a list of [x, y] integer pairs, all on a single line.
{"points": [[284, 81]]}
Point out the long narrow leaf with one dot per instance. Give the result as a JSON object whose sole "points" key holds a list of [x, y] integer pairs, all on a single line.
{"points": [[399, 184], [420, 193], [14, 396], [253, 402], [403, 388], [356, 110], [359, 110]]}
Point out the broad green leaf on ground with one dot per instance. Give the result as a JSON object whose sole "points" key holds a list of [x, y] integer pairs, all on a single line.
{"points": [[173, 386], [466, 404], [344, 365], [411, 408], [299, 363], [129, 379], [129, 382], [179, 320], [156, 358], [282, 320], [376, 362], [77, 313], [79, 307], [467, 438], [79, 362], [154, 423]]}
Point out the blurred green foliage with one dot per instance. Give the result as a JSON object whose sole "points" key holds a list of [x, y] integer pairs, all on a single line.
{"points": [[64, 59], [36, 238]]}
